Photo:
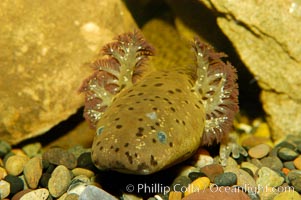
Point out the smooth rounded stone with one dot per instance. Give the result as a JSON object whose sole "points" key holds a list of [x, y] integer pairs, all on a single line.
{"points": [[296, 183], [272, 162], [18, 195], [72, 197], [3, 173], [175, 195], [41, 194], [16, 184], [50, 168], [197, 185], [289, 165], [249, 166], [32, 149], [248, 171], [45, 179], [256, 162], [259, 151], [267, 193], [299, 147], [268, 177], [78, 150], [76, 188], [212, 170], [287, 154], [291, 195], [231, 163], [225, 179], [33, 170], [59, 181], [59, 156], [297, 162], [286, 145], [203, 160], [195, 175], [15, 164], [214, 193], [4, 189], [180, 182], [4, 148], [82, 171], [85, 161], [243, 177], [94, 193], [81, 179]]}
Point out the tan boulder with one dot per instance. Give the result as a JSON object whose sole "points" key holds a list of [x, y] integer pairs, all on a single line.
{"points": [[44, 46]]}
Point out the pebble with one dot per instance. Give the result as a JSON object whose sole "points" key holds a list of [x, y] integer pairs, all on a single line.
{"points": [[18, 195], [4, 189], [243, 177], [85, 161], [82, 171], [259, 151], [268, 177], [32, 149], [225, 179], [291, 195], [59, 156], [175, 195], [290, 164], [297, 162], [72, 197], [3, 173], [16, 184], [94, 193], [299, 147], [286, 145], [250, 166], [4, 148], [272, 162], [15, 164], [39, 194], [33, 171], [212, 170], [59, 181], [267, 193], [197, 185], [287, 154], [195, 175], [180, 182], [203, 160], [45, 179], [218, 193]]}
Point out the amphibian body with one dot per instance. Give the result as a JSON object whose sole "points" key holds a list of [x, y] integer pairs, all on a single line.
{"points": [[147, 120]]}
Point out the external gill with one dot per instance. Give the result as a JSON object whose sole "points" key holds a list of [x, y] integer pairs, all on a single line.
{"points": [[216, 84], [119, 67]]}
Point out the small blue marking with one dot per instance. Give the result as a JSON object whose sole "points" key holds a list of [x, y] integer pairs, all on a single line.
{"points": [[99, 130], [162, 137]]}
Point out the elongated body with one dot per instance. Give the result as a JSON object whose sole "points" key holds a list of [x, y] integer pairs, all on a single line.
{"points": [[149, 123]]}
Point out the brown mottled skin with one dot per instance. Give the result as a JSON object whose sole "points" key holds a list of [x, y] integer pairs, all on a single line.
{"points": [[145, 125]]}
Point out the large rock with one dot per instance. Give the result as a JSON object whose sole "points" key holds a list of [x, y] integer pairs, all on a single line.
{"points": [[44, 46], [266, 35]]}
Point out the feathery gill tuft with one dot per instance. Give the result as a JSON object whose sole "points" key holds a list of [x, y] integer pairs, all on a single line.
{"points": [[120, 65], [217, 85]]}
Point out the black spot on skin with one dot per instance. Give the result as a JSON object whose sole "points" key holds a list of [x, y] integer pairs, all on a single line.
{"points": [[138, 102], [140, 119], [100, 148], [119, 126], [144, 85], [116, 119], [171, 144], [153, 128], [158, 84], [155, 108], [190, 82], [130, 158], [136, 155], [132, 95], [145, 99], [197, 106], [173, 109], [98, 143], [191, 90], [157, 77], [183, 122], [111, 147], [140, 132], [119, 105], [130, 108], [200, 102], [186, 101], [142, 166], [141, 93], [178, 90], [126, 144], [157, 97], [129, 91], [116, 150], [154, 140], [151, 100], [157, 123], [170, 92], [153, 162]]}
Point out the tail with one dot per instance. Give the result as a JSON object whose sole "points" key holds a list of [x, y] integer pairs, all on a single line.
{"points": [[121, 64], [216, 83]]}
